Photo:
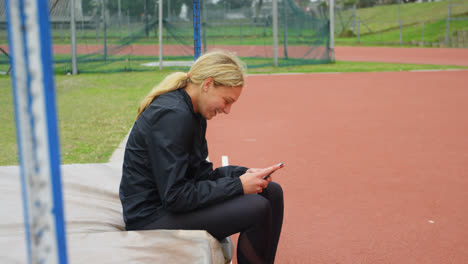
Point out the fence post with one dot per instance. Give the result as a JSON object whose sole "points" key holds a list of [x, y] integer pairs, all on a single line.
{"points": [[129, 25], [275, 32], [423, 33], [399, 21], [168, 10], [447, 24], [156, 12], [120, 18], [354, 18], [203, 13], [240, 31], [145, 17], [104, 33], [332, 31], [380, 32], [359, 32], [97, 25], [60, 26], [160, 19], [83, 33], [285, 35], [73, 36]]}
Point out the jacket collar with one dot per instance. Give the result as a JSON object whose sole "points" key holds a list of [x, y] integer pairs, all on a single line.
{"points": [[188, 100]]}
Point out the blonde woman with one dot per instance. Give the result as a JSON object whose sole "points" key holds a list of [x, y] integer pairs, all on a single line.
{"points": [[167, 183]]}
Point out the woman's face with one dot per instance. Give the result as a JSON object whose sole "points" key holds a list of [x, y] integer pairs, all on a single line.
{"points": [[217, 99]]}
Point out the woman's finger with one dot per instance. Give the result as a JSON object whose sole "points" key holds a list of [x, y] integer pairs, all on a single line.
{"points": [[253, 170]]}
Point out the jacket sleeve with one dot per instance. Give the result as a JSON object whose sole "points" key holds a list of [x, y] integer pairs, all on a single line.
{"points": [[207, 172], [170, 145]]}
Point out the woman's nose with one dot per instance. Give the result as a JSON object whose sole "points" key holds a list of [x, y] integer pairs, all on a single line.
{"points": [[227, 109]]}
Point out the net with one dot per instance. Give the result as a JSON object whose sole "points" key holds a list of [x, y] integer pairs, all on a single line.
{"points": [[122, 35]]}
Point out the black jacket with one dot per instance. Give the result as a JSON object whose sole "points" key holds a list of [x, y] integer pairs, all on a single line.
{"points": [[165, 167]]}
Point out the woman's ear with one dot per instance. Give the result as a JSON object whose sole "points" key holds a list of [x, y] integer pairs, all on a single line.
{"points": [[207, 84]]}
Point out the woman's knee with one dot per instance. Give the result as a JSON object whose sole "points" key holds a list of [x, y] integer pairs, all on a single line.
{"points": [[274, 191]]}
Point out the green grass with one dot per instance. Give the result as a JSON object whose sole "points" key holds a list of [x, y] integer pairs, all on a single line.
{"points": [[379, 24], [411, 34], [8, 152], [385, 17], [347, 66], [116, 64], [95, 111]]}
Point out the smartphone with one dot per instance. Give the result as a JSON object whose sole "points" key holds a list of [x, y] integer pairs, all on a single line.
{"points": [[266, 176]]}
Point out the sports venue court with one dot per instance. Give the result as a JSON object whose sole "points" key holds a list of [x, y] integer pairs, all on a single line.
{"points": [[376, 163]]}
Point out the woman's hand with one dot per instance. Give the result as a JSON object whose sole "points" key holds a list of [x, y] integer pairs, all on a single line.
{"points": [[252, 180]]}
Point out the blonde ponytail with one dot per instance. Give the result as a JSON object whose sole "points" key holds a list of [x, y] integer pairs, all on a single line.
{"points": [[225, 69], [172, 82]]}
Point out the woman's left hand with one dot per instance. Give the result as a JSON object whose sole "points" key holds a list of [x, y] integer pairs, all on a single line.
{"points": [[253, 170]]}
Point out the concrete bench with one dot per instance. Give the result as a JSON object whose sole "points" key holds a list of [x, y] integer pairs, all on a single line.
{"points": [[94, 224]]}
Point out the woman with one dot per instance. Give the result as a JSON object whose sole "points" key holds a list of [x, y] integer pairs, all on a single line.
{"points": [[167, 182]]}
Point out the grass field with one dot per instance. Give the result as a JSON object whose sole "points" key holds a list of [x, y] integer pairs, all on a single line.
{"points": [[379, 24], [115, 64], [414, 34], [124, 63], [385, 17], [95, 111]]}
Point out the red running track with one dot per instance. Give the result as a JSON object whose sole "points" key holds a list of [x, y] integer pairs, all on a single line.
{"points": [[376, 163], [372, 54], [442, 56]]}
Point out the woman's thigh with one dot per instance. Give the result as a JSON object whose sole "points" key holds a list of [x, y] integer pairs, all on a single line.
{"points": [[222, 219]]}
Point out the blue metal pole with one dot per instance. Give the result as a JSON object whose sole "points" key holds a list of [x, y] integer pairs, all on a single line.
{"points": [[36, 129], [196, 29]]}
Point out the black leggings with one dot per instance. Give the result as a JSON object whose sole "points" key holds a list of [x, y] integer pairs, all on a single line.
{"points": [[258, 218]]}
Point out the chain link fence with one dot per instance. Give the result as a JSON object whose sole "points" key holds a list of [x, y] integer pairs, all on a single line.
{"points": [[425, 24], [122, 35]]}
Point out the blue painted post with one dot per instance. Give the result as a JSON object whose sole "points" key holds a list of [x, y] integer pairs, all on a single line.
{"points": [[196, 29], [36, 129]]}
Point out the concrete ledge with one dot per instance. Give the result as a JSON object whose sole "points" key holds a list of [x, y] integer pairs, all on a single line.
{"points": [[94, 224]]}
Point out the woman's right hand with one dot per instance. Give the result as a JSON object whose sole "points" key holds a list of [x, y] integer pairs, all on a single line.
{"points": [[253, 182]]}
